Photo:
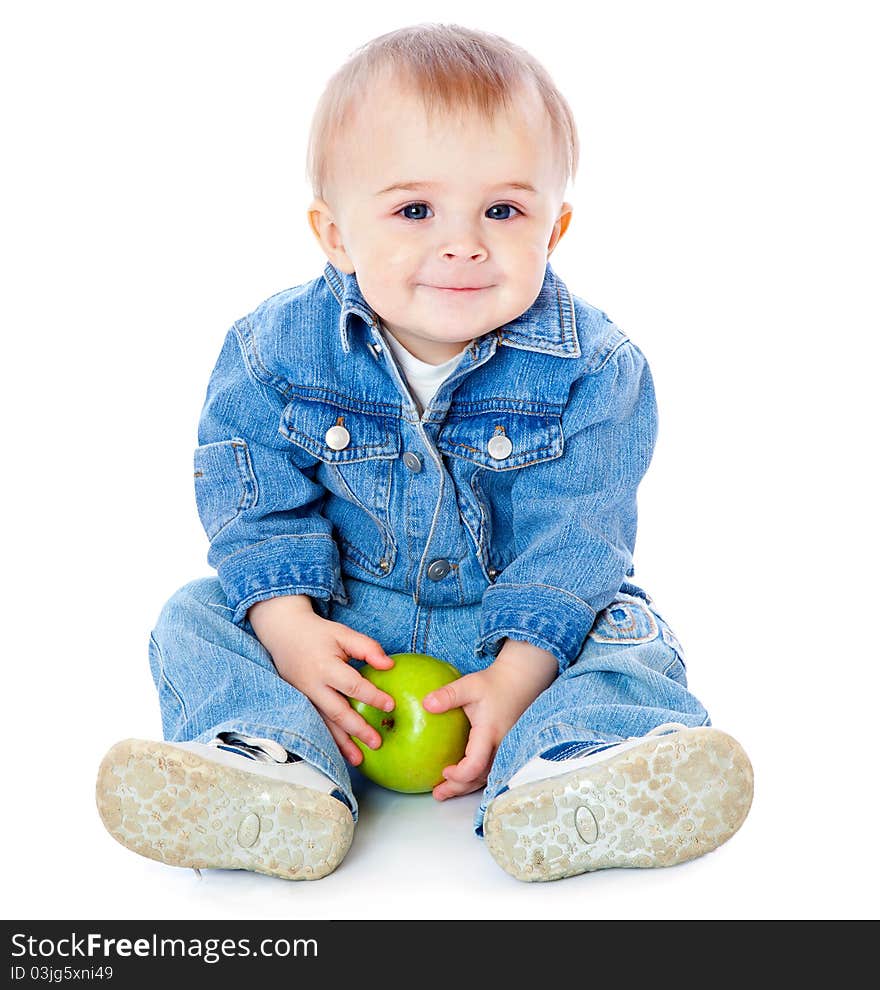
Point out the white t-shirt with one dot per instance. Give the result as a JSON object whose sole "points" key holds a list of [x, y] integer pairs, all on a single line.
{"points": [[423, 379]]}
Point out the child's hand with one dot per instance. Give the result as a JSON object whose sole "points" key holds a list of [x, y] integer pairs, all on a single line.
{"points": [[493, 699], [312, 654]]}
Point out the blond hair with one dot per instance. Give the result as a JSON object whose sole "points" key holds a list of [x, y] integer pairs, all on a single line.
{"points": [[452, 69]]}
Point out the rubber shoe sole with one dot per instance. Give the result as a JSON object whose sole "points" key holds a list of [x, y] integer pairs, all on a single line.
{"points": [[179, 808], [665, 801]]}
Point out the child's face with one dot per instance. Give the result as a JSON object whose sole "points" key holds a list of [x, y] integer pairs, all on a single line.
{"points": [[467, 226]]}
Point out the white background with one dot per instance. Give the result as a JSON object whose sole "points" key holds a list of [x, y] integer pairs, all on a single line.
{"points": [[726, 216]]}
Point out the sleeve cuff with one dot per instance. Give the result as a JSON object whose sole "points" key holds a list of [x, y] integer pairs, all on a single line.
{"points": [[547, 617], [281, 565]]}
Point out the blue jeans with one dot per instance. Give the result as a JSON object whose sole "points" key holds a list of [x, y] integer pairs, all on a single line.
{"points": [[213, 675]]}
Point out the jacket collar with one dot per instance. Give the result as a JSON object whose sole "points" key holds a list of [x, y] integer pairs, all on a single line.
{"points": [[547, 326]]}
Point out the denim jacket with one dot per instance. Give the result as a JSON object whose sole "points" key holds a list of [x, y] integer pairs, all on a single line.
{"points": [[516, 488]]}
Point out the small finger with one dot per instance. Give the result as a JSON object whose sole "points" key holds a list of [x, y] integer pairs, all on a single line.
{"points": [[462, 772], [346, 746], [363, 647], [381, 661], [353, 685], [338, 711], [467, 780], [441, 700], [448, 790], [440, 793], [478, 756], [367, 735]]}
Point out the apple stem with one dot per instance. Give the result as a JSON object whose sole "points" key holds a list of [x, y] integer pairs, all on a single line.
{"points": [[387, 723]]}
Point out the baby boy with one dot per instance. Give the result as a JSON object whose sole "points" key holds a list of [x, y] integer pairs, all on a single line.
{"points": [[433, 447]]}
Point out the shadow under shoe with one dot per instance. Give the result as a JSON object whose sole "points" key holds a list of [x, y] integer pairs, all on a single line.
{"points": [[214, 806], [653, 801]]}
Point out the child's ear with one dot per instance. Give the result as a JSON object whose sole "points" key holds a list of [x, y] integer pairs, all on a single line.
{"points": [[560, 227], [328, 234]]}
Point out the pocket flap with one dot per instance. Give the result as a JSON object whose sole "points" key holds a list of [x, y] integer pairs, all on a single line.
{"points": [[338, 433], [502, 440]]}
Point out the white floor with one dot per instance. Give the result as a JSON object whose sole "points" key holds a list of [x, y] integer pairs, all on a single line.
{"points": [[797, 856], [411, 858]]}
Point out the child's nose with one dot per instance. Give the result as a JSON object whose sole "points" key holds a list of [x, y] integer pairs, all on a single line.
{"points": [[462, 239], [468, 250]]}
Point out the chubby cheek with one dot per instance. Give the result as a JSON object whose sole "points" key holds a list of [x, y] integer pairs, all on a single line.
{"points": [[388, 291], [388, 276], [533, 264], [521, 290]]}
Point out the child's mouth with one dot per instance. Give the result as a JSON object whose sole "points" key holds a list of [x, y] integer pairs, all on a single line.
{"points": [[460, 290]]}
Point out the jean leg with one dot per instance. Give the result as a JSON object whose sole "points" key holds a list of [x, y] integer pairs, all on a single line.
{"points": [[214, 676], [628, 679]]}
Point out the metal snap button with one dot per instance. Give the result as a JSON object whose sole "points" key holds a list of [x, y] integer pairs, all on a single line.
{"points": [[337, 438], [499, 447], [438, 569], [412, 461]]}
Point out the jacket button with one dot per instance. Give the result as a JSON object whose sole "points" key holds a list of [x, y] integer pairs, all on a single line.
{"points": [[337, 438], [438, 569], [493, 573], [500, 447], [412, 461]]}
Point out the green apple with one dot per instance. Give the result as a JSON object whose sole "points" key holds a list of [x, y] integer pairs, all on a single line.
{"points": [[416, 744]]}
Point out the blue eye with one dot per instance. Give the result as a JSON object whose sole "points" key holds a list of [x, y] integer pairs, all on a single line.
{"points": [[501, 206], [418, 208], [413, 206]]}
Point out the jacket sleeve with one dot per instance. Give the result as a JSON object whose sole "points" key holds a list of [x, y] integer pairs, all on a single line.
{"points": [[256, 493], [574, 543]]}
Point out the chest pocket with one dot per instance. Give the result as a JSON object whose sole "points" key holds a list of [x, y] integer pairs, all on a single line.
{"points": [[502, 440], [356, 447], [484, 448], [340, 432]]}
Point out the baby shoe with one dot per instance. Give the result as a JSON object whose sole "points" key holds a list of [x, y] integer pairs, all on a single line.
{"points": [[236, 803], [654, 800]]}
